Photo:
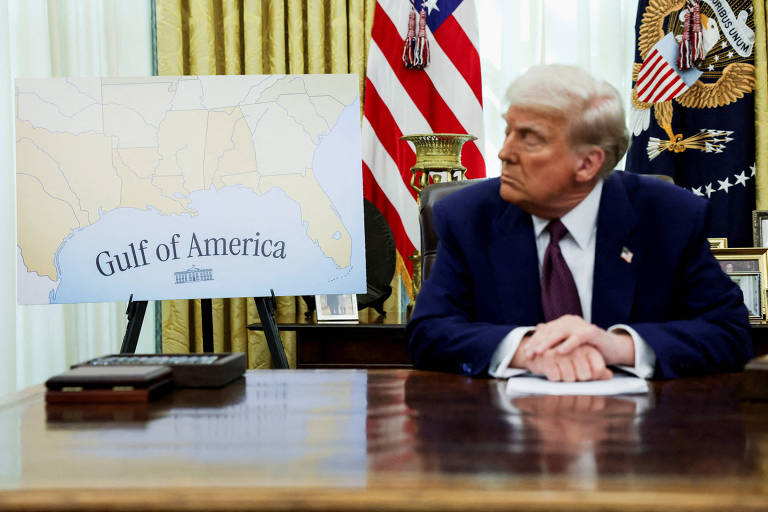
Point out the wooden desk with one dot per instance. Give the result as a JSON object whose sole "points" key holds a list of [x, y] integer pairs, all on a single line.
{"points": [[389, 440]]}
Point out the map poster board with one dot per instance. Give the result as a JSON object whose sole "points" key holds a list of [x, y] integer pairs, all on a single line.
{"points": [[188, 187]]}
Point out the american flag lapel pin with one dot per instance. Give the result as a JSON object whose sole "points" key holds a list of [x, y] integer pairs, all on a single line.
{"points": [[626, 254]]}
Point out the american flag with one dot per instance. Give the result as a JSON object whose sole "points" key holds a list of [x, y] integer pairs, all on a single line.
{"points": [[659, 78], [444, 97]]}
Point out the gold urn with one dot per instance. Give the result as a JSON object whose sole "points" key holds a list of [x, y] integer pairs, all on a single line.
{"points": [[438, 157]]}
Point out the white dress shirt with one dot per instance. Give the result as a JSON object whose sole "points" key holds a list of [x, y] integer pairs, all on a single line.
{"points": [[578, 248]]}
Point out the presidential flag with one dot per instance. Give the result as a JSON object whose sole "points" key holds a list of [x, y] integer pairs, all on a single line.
{"points": [[429, 85], [697, 124]]}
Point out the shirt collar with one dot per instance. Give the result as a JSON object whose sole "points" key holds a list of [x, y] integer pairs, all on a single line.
{"points": [[580, 220]]}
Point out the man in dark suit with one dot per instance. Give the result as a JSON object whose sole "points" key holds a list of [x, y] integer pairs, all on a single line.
{"points": [[563, 268]]}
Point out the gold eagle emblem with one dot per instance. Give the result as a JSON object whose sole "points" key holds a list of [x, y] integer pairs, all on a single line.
{"points": [[723, 78]]}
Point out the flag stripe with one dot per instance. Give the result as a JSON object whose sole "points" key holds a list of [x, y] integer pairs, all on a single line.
{"points": [[660, 77], [654, 73], [668, 89], [390, 181], [455, 92], [651, 71], [459, 49], [681, 87], [381, 76], [652, 61], [644, 86], [466, 16], [651, 89], [662, 73], [374, 194], [388, 133]]}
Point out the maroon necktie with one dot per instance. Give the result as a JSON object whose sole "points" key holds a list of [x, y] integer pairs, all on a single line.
{"points": [[558, 291]]}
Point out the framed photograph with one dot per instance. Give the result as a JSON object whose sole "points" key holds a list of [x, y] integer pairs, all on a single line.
{"points": [[718, 243], [331, 308], [760, 228], [748, 268], [750, 288]]}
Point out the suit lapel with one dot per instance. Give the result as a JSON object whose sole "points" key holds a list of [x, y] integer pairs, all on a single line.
{"points": [[516, 267], [617, 256]]}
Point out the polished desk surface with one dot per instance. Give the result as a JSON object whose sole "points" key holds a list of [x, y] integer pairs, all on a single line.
{"points": [[389, 440]]}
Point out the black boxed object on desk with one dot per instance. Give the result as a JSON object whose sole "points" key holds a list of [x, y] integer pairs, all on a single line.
{"points": [[88, 384], [189, 370]]}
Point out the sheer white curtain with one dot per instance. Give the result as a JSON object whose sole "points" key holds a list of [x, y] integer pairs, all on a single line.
{"points": [[41, 38], [597, 35]]}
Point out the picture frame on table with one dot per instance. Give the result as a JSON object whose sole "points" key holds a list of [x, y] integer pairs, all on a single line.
{"points": [[760, 228], [718, 243], [333, 308], [750, 288], [748, 268]]}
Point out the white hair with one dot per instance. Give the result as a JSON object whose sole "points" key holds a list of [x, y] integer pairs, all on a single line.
{"points": [[592, 107]]}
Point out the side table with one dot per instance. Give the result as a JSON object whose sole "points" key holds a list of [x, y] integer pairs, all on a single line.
{"points": [[338, 345]]}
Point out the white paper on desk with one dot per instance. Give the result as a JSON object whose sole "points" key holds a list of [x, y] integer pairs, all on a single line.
{"points": [[619, 384]]}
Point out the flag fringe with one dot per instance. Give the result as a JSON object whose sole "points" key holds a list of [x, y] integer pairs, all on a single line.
{"points": [[416, 46], [692, 42], [405, 275]]}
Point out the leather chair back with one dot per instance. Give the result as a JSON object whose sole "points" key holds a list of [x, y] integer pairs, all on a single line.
{"points": [[428, 196]]}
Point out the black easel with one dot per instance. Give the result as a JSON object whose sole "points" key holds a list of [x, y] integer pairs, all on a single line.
{"points": [[266, 308], [135, 312], [264, 305], [206, 319]]}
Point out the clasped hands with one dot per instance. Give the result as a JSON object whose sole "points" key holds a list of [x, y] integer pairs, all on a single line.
{"points": [[571, 349]]}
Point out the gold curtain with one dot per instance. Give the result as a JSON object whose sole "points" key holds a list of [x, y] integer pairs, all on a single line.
{"points": [[761, 103], [218, 37]]}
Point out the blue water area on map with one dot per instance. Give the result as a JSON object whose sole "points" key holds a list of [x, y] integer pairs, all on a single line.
{"points": [[337, 166], [272, 216]]}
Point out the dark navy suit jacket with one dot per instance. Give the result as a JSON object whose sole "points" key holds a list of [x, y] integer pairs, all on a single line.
{"points": [[485, 280]]}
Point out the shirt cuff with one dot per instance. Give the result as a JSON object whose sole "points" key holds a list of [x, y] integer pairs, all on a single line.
{"points": [[504, 353], [645, 357]]}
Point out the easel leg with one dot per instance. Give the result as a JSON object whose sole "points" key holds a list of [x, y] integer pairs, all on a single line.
{"points": [[206, 311], [266, 308], [135, 312]]}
